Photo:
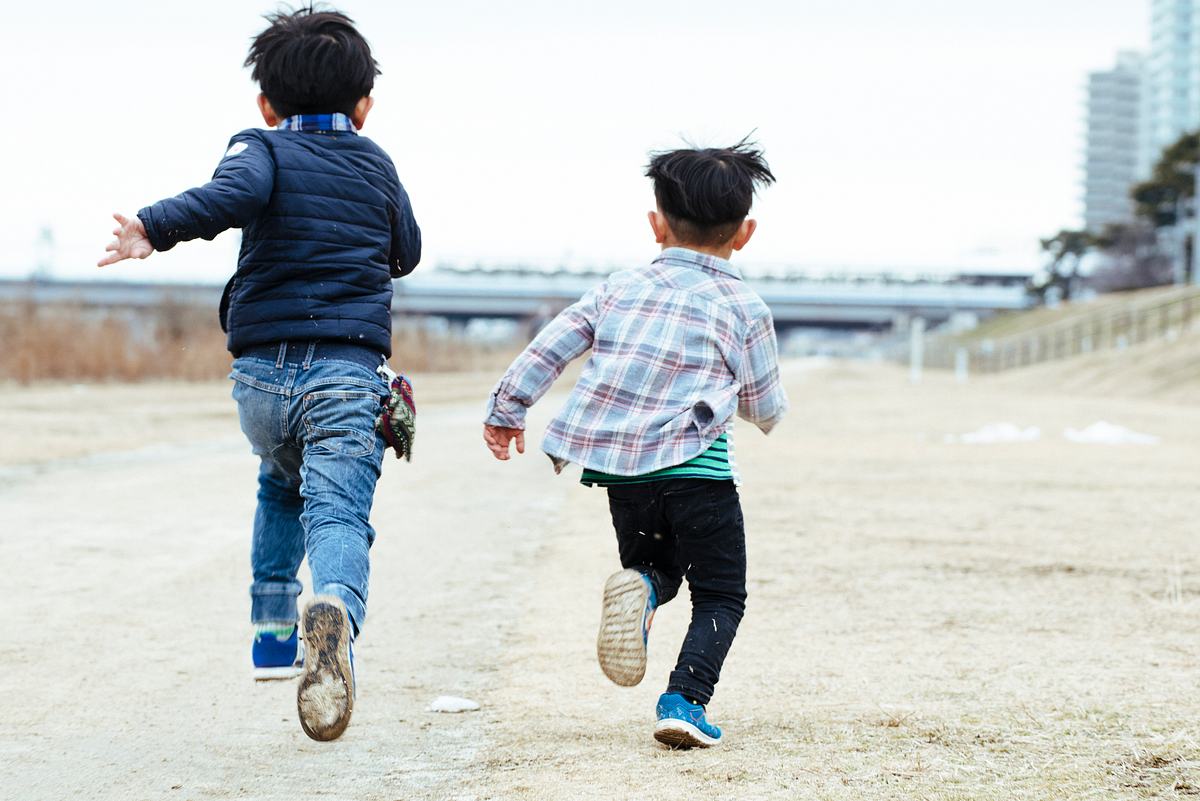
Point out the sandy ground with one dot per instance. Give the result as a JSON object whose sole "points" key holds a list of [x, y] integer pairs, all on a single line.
{"points": [[927, 620]]}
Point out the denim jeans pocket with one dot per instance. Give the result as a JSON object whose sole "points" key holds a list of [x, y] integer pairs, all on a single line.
{"points": [[341, 421]]}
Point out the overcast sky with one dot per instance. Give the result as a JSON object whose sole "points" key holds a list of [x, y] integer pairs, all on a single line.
{"points": [[905, 134]]}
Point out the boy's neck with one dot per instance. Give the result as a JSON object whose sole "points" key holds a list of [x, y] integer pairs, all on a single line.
{"points": [[720, 251]]}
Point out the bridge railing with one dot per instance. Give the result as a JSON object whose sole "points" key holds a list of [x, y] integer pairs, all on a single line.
{"points": [[1113, 326]]}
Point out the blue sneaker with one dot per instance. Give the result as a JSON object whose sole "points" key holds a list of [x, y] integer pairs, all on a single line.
{"points": [[325, 697], [681, 724], [275, 658], [629, 604]]}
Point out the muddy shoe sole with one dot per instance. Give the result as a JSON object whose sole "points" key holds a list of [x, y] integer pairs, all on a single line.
{"points": [[621, 644], [325, 697], [679, 734]]}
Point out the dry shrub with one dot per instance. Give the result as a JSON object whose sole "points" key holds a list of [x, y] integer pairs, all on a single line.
{"points": [[419, 348], [76, 344], [174, 341]]}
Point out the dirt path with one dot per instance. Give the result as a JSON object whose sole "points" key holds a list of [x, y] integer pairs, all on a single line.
{"points": [[927, 619]]}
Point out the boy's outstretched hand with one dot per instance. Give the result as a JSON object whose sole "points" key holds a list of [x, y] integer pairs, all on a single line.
{"points": [[131, 242], [498, 437]]}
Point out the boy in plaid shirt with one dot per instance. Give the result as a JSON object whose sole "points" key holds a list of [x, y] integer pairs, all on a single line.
{"points": [[678, 347]]}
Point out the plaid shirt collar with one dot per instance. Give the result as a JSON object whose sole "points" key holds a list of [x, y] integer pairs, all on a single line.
{"points": [[318, 123], [683, 257]]}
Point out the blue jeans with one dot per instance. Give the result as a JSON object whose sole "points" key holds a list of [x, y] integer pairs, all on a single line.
{"points": [[312, 423]]}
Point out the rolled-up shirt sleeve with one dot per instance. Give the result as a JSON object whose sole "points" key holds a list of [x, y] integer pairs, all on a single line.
{"points": [[761, 399], [566, 337]]}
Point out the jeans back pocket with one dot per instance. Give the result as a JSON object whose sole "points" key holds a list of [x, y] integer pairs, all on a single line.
{"points": [[341, 421]]}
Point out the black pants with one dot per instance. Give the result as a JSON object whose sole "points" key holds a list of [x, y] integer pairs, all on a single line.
{"points": [[691, 528]]}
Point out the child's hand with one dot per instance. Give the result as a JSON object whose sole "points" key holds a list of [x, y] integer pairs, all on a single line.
{"points": [[498, 437], [131, 242]]}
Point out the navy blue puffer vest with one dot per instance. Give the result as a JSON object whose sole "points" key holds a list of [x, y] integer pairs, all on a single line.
{"points": [[325, 224]]}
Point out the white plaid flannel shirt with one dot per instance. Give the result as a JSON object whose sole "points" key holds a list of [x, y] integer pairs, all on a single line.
{"points": [[678, 347]]}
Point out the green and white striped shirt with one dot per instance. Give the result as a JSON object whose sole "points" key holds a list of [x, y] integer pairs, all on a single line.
{"points": [[716, 464]]}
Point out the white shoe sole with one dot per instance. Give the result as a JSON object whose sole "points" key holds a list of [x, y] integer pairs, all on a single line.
{"points": [[681, 734], [621, 646], [277, 673], [282, 673], [325, 697]]}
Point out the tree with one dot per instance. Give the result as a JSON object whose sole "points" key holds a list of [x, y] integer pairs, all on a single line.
{"points": [[1164, 199], [1173, 182], [1135, 254], [1066, 250], [1131, 258]]}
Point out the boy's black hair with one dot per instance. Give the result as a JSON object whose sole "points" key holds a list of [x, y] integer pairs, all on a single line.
{"points": [[311, 61], [706, 193]]}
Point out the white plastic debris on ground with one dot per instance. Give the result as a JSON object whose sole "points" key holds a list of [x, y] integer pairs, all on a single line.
{"points": [[452, 703], [995, 433], [1102, 433]]}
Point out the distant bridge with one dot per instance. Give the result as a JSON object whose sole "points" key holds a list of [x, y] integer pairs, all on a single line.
{"points": [[867, 301]]}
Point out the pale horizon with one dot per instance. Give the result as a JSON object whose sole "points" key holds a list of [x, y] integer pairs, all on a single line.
{"points": [[927, 137]]}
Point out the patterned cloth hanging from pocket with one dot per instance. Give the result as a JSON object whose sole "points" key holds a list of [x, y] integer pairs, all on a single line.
{"points": [[397, 420]]}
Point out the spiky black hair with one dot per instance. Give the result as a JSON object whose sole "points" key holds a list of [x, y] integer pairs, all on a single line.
{"points": [[706, 193], [312, 61]]}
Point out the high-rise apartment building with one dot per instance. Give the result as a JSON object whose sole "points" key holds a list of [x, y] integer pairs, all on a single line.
{"points": [[1171, 84], [1114, 105], [1138, 108]]}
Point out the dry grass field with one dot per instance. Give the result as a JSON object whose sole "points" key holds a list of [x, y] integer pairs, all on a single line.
{"points": [[928, 619], [70, 344]]}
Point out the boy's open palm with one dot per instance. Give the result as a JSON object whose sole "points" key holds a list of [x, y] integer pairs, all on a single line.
{"points": [[498, 438], [131, 242]]}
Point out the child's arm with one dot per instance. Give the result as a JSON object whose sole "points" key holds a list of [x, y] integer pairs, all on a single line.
{"points": [[761, 399], [406, 239], [239, 189], [566, 337]]}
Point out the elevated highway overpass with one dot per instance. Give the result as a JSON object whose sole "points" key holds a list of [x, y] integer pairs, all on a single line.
{"points": [[859, 302], [870, 302]]}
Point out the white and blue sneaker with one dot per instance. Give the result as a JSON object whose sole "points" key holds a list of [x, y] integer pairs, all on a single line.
{"points": [[629, 604], [681, 724], [276, 656], [325, 697]]}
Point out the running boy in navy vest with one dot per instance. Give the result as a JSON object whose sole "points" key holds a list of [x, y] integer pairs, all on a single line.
{"points": [[325, 226], [678, 347]]}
